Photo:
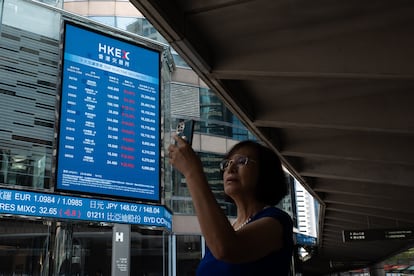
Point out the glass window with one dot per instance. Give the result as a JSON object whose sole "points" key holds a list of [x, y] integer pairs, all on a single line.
{"points": [[188, 254], [25, 167], [90, 251], [218, 119], [139, 26], [19, 14], [83, 249], [24, 247], [54, 3], [149, 251], [28, 93], [107, 20], [130, 24], [181, 200], [179, 61]]}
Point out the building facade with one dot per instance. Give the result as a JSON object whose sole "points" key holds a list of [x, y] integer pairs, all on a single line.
{"points": [[306, 211], [37, 235]]}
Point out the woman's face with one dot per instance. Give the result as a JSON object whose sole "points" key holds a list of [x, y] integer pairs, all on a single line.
{"points": [[240, 176]]}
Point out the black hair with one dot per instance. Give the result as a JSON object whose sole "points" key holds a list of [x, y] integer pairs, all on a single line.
{"points": [[272, 184]]}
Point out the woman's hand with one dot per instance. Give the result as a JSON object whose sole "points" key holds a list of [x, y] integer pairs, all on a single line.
{"points": [[183, 158]]}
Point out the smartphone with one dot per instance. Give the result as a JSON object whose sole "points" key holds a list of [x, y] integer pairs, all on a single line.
{"points": [[185, 129]]}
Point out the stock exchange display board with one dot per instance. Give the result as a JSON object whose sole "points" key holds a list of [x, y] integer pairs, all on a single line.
{"points": [[109, 119]]}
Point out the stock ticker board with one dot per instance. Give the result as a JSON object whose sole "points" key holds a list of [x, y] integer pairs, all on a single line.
{"points": [[18, 202]]}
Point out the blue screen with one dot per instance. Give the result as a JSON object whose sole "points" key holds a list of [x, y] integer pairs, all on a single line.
{"points": [[109, 138]]}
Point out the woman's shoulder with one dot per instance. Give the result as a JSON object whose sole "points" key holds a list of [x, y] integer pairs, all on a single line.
{"points": [[276, 213], [272, 210]]}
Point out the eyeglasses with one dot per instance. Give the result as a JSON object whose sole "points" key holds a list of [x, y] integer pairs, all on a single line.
{"points": [[239, 161]]}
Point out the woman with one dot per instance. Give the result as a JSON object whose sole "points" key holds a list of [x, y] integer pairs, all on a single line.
{"points": [[259, 242]]}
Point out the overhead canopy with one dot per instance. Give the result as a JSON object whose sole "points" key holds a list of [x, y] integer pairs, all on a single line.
{"points": [[329, 85]]}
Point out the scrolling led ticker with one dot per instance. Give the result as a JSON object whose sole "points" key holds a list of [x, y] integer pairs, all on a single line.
{"points": [[18, 202]]}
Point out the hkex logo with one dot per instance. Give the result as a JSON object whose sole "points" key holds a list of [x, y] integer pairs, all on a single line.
{"points": [[113, 51]]}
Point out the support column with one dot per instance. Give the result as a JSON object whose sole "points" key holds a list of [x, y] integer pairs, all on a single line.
{"points": [[62, 249], [377, 270]]}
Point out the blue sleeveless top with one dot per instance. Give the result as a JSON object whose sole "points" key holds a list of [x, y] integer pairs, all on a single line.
{"points": [[276, 263]]}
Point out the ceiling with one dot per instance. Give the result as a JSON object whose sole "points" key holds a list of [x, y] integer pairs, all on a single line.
{"points": [[330, 86]]}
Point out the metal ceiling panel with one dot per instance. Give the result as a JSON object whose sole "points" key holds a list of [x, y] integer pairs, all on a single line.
{"points": [[328, 84]]}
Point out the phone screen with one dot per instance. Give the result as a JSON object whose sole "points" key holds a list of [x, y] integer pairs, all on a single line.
{"points": [[185, 130]]}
